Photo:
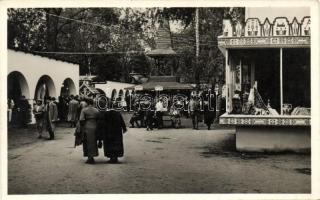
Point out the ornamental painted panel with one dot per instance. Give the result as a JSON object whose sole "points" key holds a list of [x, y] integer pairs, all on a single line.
{"points": [[252, 27], [279, 41], [265, 121], [239, 29], [280, 26], [295, 28], [227, 28], [266, 28], [306, 26]]}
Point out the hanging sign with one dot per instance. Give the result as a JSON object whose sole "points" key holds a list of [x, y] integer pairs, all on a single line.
{"points": [[158, 88], [138, 88]]}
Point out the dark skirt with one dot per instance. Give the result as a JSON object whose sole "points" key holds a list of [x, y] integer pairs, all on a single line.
{"points": [[113, 147]]}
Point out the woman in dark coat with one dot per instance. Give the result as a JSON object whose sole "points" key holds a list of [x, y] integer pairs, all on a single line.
{"points": [[88, 122], [111, 126]]}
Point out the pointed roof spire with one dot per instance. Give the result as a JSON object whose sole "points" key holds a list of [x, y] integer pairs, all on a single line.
{"points": [[163, 41]]}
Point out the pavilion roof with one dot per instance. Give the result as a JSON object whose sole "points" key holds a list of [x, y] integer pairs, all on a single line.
{"points": [[167, 82]]}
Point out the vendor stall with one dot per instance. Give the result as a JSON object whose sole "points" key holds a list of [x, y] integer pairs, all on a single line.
{"points": [[268, 83]]}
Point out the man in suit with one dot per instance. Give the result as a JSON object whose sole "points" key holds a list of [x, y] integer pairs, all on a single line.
{"points": [[51, 116], [38, 111]]}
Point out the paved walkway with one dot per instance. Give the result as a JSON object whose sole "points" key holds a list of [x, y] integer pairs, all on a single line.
{"points": [[161, 161]]}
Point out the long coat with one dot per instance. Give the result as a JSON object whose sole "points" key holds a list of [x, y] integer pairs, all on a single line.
{"points": [[88, 119], [110, 129], [52, 116], [73, 110], [210, 110]]}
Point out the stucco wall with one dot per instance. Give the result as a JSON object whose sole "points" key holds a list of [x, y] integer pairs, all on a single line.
{"points": [[34, 67], [111, 85], [273, 139]]}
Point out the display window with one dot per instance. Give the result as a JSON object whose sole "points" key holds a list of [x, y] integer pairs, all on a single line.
{"points": [[269, 81]]}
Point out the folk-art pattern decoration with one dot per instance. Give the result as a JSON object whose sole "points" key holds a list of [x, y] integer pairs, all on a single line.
{"points": [[252, 27], [87, 90], [306, 26], [266, 28], [295, 28], [279, 27], [227, 28], [239, 29], [265, 120], [252, 42]]}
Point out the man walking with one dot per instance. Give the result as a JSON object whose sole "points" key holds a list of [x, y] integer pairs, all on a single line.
{"points": [[194, 109], [38, 111], [51, 116], [159, 110], [73, 111]]}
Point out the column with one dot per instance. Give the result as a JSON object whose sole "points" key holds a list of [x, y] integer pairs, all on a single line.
{"points": [[281, 82], [227, 80]]}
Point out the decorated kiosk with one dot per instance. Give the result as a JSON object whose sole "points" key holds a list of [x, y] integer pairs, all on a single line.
{"points": [[268, 97]]}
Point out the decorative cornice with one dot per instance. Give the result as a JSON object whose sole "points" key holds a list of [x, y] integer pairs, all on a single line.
{"points": [[254, 42], [279, 27], [266, 120]]}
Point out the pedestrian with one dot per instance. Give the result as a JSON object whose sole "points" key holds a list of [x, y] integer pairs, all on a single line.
{"points": [[135, 118], [88, 122], [10, 107], [82, 104], [38, 111], [150, 118], [209, 110], [159, 113], [194, 111], [51, 116], [73, 111], [175, 116], [113, 126], [23, 108]]}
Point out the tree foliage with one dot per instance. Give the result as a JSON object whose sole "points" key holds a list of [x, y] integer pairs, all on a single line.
{"points": [[124, 32]]}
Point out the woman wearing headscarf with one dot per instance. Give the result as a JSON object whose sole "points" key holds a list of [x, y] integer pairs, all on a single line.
{"points": [[88, 123], [111, 126]]}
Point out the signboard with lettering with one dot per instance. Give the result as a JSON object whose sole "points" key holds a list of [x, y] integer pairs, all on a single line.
{"points": [[158, 88], [138, 88]]}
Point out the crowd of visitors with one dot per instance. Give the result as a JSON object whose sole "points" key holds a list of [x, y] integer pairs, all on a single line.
{"points": [[96, 128], [200, 108]]}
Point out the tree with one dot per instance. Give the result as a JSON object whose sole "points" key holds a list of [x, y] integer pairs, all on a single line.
{"points": [[126, 33]]}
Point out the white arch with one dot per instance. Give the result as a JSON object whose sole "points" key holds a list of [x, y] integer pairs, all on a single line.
{"points": [[121, 93], [113, 94], [13, 78], [45, 85], [69, 84]]}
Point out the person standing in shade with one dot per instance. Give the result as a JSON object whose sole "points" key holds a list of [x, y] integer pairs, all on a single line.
{"points": [[82, 104], [10, 108], [51, 116], [209, 109], [159, 110], [73, 111], [112, 127], [194, 109], [88, 123], [38, 111], [150, 117], [24, 109]]}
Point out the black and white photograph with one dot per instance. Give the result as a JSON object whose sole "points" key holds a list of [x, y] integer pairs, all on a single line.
{"points": [[159, 99]]}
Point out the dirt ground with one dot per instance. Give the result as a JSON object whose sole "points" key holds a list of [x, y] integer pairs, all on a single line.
{"points": [[159, 161]]}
